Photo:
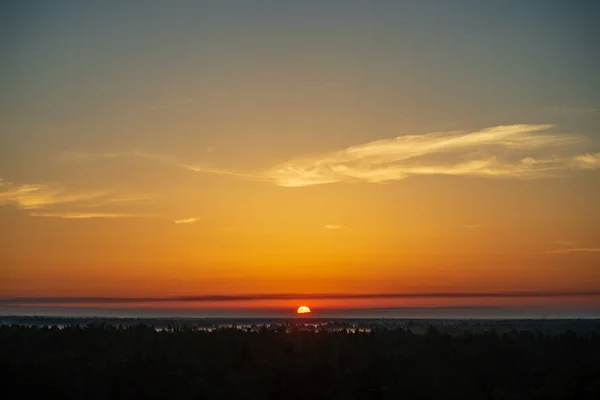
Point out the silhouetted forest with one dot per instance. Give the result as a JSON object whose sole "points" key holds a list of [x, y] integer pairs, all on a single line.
{"points": [[102, 361]]}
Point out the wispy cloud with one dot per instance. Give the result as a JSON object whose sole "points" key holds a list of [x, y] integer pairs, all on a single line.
{"points": [[295, 296], [76, 215], [333, 227], [513, 151], [510, 151], [195, 166], [569, 247], [118, 200], [34, 196], [577, 250], [190, 220], [42, 200], [587, 161], [166, 159]]}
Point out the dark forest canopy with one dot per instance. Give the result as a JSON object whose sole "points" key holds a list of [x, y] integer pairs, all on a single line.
{"points": [[102, 361], [416, 325]]}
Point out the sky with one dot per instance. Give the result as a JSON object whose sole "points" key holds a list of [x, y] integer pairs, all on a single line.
{"points": [[347, 155]]}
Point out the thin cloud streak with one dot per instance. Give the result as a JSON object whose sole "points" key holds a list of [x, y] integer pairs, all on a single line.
{"points": [[124, 200], [41, 200], [291, 296], [506, 151], [333, 227], [190, 220], [197, 167], [513, 151], [581, 250], [75, 215], [35, 196], [165, 159]]}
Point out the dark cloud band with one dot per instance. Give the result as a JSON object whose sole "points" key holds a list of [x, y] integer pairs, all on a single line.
{"points": [[292, 296]]}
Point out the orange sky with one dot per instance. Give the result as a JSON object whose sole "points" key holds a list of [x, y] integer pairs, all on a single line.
{"points": [[159, 153]]}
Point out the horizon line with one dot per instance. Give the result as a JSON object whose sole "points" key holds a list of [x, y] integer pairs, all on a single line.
{"points": [[293, 296]]}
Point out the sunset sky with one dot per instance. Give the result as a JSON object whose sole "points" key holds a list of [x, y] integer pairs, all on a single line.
{"points": [[378, 154]]}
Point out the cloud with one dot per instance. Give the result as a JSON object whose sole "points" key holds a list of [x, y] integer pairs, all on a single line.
{"points": [[512, 151], [568, 247], [506, 151], [332, 227], [75, 215], [174, 161], [123, 200], [210, 170], [42, 200], [165, 159], [588, 161], [293, 296], [580, 250], [190, 220], [34, 196], [197, 167]]}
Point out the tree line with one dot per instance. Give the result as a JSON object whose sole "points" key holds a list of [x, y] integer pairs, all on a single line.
{"points": [[104, 361]]}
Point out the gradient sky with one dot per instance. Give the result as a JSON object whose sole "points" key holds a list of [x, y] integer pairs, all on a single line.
{"points": [[180, 148]]}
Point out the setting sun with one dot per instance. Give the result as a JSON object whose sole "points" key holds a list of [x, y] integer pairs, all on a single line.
{"points": [[303, 310]]}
